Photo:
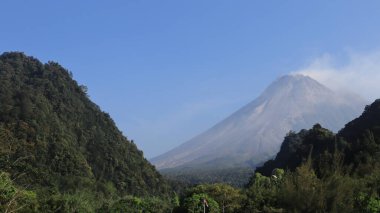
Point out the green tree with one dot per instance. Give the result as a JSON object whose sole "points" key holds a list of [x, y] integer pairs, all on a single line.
{"points": [[128, 204], [262, 195], [14, 198], [195, 204], [227, 196], [301, 191]]}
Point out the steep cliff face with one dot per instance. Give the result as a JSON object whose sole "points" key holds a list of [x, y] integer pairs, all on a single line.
{"points": [[254, 133]]}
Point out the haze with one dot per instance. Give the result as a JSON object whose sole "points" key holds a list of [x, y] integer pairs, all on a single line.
{"points": [[168, 70]]}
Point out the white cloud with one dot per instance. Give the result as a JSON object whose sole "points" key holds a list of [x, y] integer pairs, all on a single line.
{"points": [[359, 73]]}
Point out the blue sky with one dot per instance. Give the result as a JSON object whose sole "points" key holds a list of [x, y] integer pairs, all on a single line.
{"points": [[168, 70]]}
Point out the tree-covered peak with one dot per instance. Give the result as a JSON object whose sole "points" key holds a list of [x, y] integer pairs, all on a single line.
{"points": [[53, 137], [358, 144]]}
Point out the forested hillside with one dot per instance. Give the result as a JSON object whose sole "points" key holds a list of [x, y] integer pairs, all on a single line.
{"points": [[318, 171], [315, 171], [60, 153], [237, 177], [358, 145], [59, 146]]}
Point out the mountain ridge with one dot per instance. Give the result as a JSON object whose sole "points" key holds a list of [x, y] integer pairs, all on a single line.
{"points": [[300, 97], [52, 135], [357, 143]]}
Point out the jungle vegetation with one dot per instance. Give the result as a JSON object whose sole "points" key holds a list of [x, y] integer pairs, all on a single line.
{"points": [[60, 153]]}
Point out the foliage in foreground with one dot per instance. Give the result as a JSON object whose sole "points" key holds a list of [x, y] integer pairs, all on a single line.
{"points": [[303, 191], [60, 153], [14, 198]]}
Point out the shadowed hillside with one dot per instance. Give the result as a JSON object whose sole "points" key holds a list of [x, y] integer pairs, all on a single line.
{"points": [[54, 139]]}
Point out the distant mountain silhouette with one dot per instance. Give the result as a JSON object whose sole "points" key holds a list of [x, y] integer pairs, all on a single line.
{"points": [[254, 133]]}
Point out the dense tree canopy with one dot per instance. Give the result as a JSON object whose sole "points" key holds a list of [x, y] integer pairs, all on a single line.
{"points": [[60, 153], [54, 139], [326, 172]]}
